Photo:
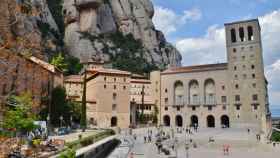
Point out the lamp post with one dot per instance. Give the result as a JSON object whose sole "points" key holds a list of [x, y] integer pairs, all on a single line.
{"points": [[61, 119], [48, 124], [187, 147]]}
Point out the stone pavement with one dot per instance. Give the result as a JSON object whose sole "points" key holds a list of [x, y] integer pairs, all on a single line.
{"points": [[242, 144]]}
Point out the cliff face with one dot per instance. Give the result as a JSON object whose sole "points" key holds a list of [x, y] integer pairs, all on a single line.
{"points": [[90, 26], [118, 31], [25, 27]]}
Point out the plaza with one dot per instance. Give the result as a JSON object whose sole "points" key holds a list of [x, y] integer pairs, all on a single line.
{"points": [[242, 144]]}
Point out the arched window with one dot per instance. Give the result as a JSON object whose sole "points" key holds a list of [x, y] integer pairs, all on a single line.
{"points": [[233, 35], [241, 34], [209, 92], [194, 92], [250, 33], [178, 93]]}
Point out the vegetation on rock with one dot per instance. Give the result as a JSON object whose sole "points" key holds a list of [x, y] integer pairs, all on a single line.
{"points": [[55, 7], [69, 65], [126, 53]]}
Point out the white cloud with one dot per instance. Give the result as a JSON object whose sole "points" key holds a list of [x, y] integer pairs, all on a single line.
{"points": [[168, 20], [210, 48], [193, 14], [204, 50]]}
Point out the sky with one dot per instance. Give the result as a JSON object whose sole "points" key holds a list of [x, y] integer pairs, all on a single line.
{"points": [[196, 29]]}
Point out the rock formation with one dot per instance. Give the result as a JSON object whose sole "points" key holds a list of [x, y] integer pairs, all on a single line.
{"points": [[101, 17]]}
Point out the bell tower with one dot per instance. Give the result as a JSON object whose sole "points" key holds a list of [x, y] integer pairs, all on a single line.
{"points": [[247, 83]]}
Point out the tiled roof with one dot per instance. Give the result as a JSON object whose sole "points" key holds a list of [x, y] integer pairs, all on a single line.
{"points": [[196, 68], [73, 78], [140, 81], [44, 64], [109, 71]]}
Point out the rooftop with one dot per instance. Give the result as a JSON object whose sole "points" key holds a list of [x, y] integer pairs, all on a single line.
{"points": [[73, 78], [196, 68], [109, 71]]}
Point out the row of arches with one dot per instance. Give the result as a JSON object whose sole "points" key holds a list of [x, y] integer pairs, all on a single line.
{"points": [[210, 121], [193, 91], [250, 34]]}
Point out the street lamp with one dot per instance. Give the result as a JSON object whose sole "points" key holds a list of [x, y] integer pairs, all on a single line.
{"points": [[187, 147], [48, 124], [61, 119]]}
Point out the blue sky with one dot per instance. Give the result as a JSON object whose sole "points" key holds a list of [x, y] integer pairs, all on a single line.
{"points": [[196, 28]]}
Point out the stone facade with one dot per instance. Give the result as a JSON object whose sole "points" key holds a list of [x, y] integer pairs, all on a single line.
{"points": [[20, 74], [232, 94]]}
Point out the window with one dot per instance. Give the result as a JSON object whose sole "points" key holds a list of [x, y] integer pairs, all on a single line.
{"points": [[237, 97], [238, 116], [115, 87], [253, 76], [254, 85], [241, 34], [124, 79], [166, 100], [223, 87], [242, 48], [234, 50], [193, 108], [105, 78], [253, 66], [114, 96], [244, 67], [251, 48], [236, 76], [178, 108], [224, 107], [244, 76], [105, 86], [243, 57], [115, 79], [255, 97], [114, 107], [165, 90], [124, 87], [166, 108], [235, 68], [209, 108], [224, 99], [233, 35], [236, 86], [250, 33], [237, 107], [255, 107]]}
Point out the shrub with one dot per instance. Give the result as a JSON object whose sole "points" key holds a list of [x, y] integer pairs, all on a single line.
{"points": [[275, 136]]}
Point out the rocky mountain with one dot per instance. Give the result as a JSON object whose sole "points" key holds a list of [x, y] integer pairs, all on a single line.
{"points": [[117, 31]]}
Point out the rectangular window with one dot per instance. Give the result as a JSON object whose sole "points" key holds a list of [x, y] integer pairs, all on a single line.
{"points": [[114, 107], [237, 107], [166, 100], [237, 97], [224, 99], [209, 108], [255, 97], [166, 108], [193, 108], [255, 107], [178, 108]]}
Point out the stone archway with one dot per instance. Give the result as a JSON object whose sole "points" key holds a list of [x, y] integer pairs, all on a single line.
{"points": [[166, 120], [225, 121], [179, 121], [210, 121], [114, 121], [194, 120]]}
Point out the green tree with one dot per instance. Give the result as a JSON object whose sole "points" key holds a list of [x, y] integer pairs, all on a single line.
{"points": [[76, 110], [59, 107], [59, 62], [74, 65], [20, 116]]}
